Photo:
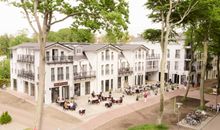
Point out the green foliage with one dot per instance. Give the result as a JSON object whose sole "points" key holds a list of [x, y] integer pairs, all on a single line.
{"points": [[153, 35], [5, 118], [4, 82], [5, 69], [71, 35], [108, 15], [149, 127], [112, 38], [7, 41]]}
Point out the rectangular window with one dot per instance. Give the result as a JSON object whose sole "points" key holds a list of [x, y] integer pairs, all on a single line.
{"points": [[107, 55], [112, 56], [111, 84], [52, 74], [102, 85], [136, 54], [102, 70], [75, 69], [177, 55], [119, 82], [67, 73], [142, 66], [139, 54], [107, 69], [61, 73], [111, 68], [135, 66], [87, 84], [168, 53], [176, 65], [168, 65], [47, 56], [139, 66], [102, 56]]}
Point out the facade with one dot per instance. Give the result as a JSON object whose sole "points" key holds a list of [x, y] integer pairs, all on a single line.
{"points": [[79, 69], [178, 58]]}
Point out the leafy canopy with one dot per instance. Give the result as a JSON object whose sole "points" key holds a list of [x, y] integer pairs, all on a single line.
{"points": [[108, 15]]}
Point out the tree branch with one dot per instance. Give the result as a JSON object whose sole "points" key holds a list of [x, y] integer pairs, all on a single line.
{"points": [[28, 17], [36, 3], [186, 13], [70, 15]]}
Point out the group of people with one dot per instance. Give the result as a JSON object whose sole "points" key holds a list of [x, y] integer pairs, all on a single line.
{"points": [[70, 104]]}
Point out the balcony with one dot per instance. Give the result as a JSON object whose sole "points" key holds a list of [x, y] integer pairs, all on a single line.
{"points": [[84, 75], [153, 57], [152, 68], [59, 59], [125, 71], [26, 74], [25, 58]]}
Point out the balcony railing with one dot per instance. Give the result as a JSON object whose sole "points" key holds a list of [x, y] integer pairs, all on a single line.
{"points": [[59, 59], [152, 57], [26, 74], [25, 58], [125, 71], [152, 68], [84, 75]]}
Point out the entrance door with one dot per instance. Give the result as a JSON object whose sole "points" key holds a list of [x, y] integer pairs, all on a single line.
{"points": [[176, 78], [65, 92], [15, 84], [32, 90], [26, 87], [139, 79], [77, 89], [106, 85], [55, 94]]}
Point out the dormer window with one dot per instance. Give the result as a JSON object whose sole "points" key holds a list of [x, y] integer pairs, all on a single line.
{"points": [[78, 51]]}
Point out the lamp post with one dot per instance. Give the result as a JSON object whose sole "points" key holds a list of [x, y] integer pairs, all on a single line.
{"points": [[179, 104]]}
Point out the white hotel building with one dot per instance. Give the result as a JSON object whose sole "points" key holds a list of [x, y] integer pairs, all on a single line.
{"points": [[79, 69]]}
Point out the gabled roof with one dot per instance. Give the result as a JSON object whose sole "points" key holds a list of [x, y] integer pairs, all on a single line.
{"points": [[97, 47], [126, 47], [60, 44]]}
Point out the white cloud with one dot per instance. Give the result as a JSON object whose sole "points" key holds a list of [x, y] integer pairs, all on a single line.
{"points": [[12, 20]]}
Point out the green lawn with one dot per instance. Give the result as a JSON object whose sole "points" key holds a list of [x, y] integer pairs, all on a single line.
{"points": [[149, 127]]}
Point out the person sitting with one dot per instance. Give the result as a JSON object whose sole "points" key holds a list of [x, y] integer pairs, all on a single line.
{"points": [[65, 105], [82, 111], [93, 94]]}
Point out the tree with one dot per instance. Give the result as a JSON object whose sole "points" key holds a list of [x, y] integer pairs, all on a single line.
{"points": [[5, 69], [112, 38], [109, 15], [71, 35], [169, 13], [7, 41]]}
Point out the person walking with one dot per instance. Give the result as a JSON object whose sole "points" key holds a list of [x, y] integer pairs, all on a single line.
{"points": [[145, 96]]}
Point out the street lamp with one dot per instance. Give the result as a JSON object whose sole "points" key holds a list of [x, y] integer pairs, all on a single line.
{"points": [[179, 104]]}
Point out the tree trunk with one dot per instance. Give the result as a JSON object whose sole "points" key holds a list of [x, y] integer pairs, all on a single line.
{"points": [[189, 81], [41, 71], [218, 74], [162, 70], [204, 63]]}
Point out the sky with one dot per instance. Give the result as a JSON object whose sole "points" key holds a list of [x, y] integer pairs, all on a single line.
{"points": [[13, 21]]}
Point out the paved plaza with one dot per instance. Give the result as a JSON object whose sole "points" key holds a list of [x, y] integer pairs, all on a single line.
{"points": [[96, 114]]}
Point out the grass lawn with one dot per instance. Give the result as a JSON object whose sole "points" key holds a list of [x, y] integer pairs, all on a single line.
{"points": [[149, 127]]}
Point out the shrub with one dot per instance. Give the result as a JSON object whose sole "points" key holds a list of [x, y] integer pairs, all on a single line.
{"points": [[5, 118], [149, 127]]}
